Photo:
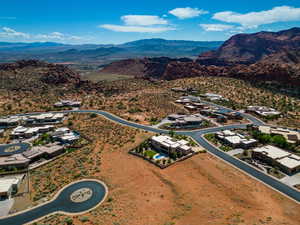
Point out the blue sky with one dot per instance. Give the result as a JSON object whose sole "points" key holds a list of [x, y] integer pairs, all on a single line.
{"points": [[104, 22]]}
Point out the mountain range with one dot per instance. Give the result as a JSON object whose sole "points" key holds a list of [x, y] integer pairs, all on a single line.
{"points": [[281, 47], [263, 56], [101, 54]]}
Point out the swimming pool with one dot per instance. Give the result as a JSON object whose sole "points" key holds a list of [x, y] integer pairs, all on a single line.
{"points": [[11, 149], [159, 156]]}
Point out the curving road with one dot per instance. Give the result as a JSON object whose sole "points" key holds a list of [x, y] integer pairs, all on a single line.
{"points": [[197, 136], [62, 203]]}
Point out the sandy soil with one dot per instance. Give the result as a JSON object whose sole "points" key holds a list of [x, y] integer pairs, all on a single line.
{"points": [[200, 190]]}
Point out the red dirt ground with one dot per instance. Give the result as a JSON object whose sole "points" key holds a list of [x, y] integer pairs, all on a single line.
{"points": [[200, 190]]}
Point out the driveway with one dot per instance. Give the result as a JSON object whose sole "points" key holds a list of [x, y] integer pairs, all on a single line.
{"points": [[5, 206], [291, 180]]}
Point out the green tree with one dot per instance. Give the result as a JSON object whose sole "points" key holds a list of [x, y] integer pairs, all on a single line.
{"points": [[172, 133], [280, 141]]}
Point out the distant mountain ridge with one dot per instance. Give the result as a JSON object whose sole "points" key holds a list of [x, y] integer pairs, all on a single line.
{"points": [[57, 52], [280, 47], [263, 56]]}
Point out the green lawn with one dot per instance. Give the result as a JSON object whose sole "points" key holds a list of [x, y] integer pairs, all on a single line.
{"points": [[150, 153], [211, 138], [226, 148]]}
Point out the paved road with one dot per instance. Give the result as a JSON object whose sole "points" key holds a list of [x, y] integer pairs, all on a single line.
{"points": [[272, 182], [62, 203], [253, 119], [196, 135]]}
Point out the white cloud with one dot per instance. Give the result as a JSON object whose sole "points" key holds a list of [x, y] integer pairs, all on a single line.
{"points": [[137, 29], [53, 35], [216, 27], [185, 13], [143, 20], [57, 36], [255, 19], [9, 32], [140, 24]]}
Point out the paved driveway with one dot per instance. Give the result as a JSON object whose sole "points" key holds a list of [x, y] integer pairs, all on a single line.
{"points": [[291, 180], [235, 151], [5, 206]]}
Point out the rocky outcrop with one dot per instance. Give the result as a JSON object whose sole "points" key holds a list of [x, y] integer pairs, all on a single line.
{"points": [[34, 75], [21, 64], [264, 56], [282, 73], [250, 48], [152, 67]]}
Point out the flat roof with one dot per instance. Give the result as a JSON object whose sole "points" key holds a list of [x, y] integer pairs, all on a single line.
{"points": [[29, 130], [193, 119], [190, 107], [289, 162], [245, 141], [176, 115], [5, 186], [63, 129], [51, 149], [272, 151], [290, 135], [213, 95], [228, 133], [168, 141], [233, 139], [13, 159], [185, 147], [32, 153]]}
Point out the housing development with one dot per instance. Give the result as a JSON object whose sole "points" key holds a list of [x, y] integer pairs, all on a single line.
{"points": [[34, 141], [39, 138], [150, 112]]}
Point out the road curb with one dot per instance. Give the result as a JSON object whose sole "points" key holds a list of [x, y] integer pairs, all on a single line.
{"points": [[244, 172], [56, 196]]}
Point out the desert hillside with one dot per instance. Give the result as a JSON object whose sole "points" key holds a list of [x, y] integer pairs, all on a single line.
{"points": [[264, 56]]}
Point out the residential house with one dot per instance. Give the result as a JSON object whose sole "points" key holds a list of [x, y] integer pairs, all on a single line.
{"points": [[263, 111], [169, 145], [67, 103], [287, 162], [28, 132], [236, 140], [44, 118], [14, 161], [213, 97], [65, 136], [12, 121], [291, 136]]}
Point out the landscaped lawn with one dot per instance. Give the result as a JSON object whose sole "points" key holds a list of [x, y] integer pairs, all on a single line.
{"points": [[211, 138], [42, 140], [226, 148], [150, 153], [276, 173]]}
